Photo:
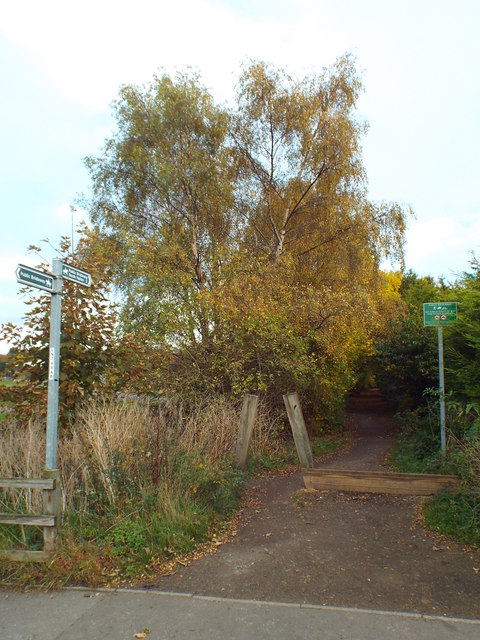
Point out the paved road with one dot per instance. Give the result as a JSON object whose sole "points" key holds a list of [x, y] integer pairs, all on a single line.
{"points": [[82, 615]]}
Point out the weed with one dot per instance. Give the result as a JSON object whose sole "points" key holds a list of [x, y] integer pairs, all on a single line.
{"points": [[329, 444], [456, 515], [280, 456], [417, 450], [140, 483]]}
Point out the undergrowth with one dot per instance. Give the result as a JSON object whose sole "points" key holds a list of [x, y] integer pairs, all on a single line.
{"points": [[455, 514], [284, 453], [141, 485]]}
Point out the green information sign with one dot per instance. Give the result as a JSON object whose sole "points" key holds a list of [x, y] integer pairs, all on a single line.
{"points": [[34, 278], [439, 314], [76, 275]]}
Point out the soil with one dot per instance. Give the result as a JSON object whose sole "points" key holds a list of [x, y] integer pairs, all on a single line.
{"points": [[366, 551]]}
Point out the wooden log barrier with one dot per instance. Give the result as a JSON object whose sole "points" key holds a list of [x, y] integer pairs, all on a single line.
{"points": [[407, 484]]}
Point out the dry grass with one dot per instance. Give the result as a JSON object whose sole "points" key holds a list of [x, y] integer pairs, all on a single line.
{"points": [[22, 455], [269, 423], [212, 427], [142, 436], [22, 449], [140, 482], [102, 432]]}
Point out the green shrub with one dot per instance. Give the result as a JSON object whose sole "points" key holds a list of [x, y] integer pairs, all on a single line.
{"points": [[140, 486], [456, 515], [128, 536], [417, 450], [216, 486]]}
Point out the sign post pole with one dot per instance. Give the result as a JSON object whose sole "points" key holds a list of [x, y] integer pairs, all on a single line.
{"points": [[441, 378], [52, 282], [440, 314], [54, 365]]}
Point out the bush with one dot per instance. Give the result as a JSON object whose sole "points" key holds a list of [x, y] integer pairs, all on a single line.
{"points": [[462, 341], [417, 450], [456, 515], [406, 362]]}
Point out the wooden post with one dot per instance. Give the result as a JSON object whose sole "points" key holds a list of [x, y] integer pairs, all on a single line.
{"points": [[295, 416], [247, 420], [52, 506]]}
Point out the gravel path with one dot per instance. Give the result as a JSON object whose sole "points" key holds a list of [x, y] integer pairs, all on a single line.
{"points": [[343, 549]]}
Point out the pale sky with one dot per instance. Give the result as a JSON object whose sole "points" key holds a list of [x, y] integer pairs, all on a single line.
{"points": [[62, 63]]}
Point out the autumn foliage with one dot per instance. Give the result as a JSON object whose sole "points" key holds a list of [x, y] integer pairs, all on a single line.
{"points": [[243, 238], [241, 241]]}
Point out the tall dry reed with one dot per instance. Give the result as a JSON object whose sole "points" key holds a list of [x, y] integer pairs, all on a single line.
{"points": [[140, 437], [22, 455]]}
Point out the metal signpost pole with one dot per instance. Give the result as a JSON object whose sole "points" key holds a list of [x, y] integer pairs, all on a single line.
{"points": [[52, 282], [440, 314], [441, 378], [54, 365]]}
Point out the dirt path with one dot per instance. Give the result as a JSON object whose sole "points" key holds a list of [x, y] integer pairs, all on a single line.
{"points": [[354, 550]]}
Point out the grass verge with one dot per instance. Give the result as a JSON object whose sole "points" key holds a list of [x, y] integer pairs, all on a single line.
{"points": [[416, 449]]}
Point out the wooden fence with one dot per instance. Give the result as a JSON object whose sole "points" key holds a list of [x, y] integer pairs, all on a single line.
{"points": [[49, 520]]}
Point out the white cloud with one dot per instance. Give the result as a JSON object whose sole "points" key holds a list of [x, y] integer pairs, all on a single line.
{"points": [[63, 212], [8, 300], [438, 246], [12, 309], [421, 80], [88, 49], [4, 346], [8, 264]]}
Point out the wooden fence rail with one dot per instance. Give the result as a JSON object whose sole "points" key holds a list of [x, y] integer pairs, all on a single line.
{"points": [[49, 520]]}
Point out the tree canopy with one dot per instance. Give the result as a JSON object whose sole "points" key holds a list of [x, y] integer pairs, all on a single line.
{"points": [[244, 238]]}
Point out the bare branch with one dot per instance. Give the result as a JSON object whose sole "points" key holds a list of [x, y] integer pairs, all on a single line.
{"points": [[305, 193]]}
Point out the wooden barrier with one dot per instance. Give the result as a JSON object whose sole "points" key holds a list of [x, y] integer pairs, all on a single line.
{"points": [[247, 420], [49, 520], [300, 435], [409, 484]]}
